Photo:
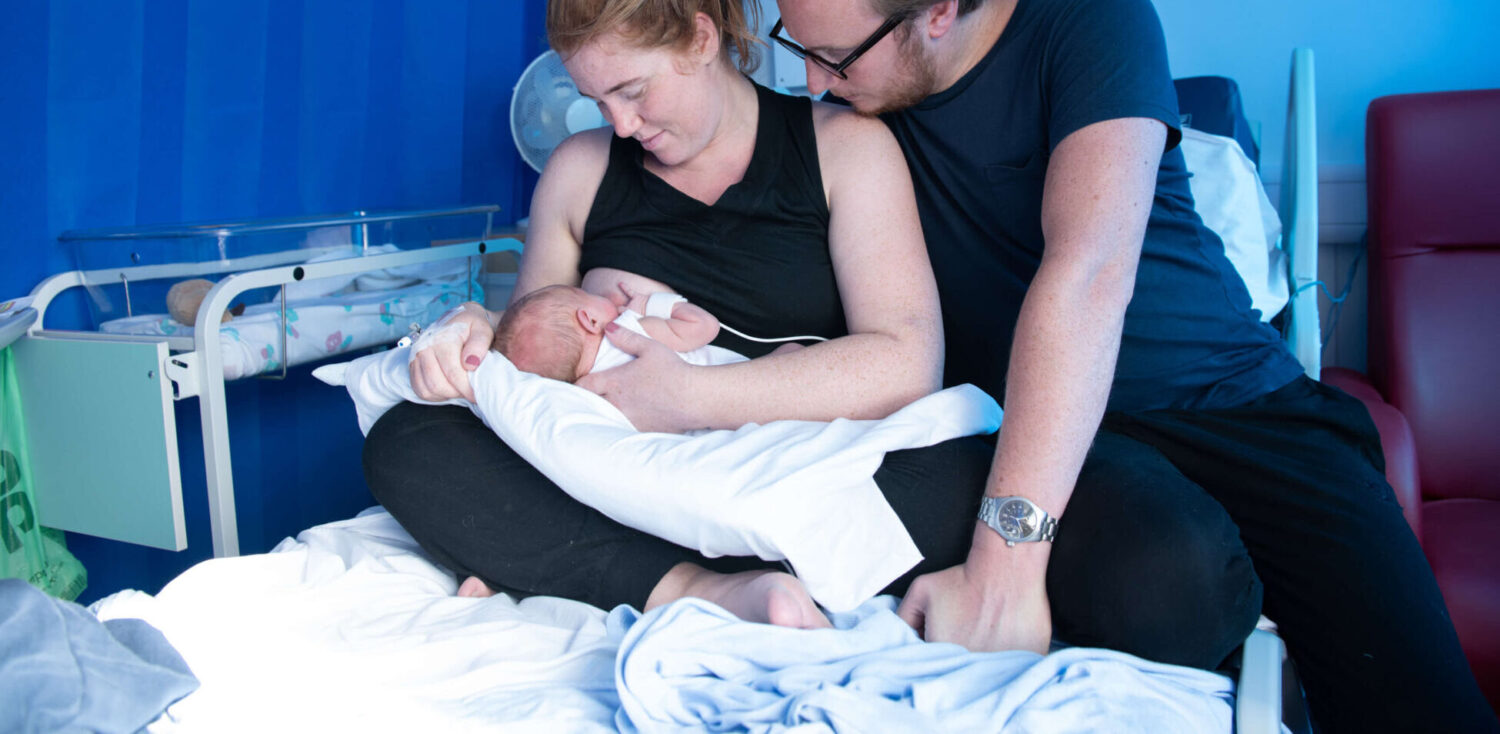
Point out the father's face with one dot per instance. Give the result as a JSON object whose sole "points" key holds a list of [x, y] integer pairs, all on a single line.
{"points": [[892, 74]]}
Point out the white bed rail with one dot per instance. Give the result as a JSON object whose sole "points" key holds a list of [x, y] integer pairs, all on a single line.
{"points": [[1299, 213], [50, 288], [1258, 695]]}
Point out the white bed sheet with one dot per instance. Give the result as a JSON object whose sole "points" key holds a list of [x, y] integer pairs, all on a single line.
{"points": [[350, 628]]}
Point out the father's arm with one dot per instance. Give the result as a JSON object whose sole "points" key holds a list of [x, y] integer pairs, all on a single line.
{"points": [[1097, 198]]}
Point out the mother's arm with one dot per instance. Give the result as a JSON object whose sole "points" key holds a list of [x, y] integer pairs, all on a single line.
{"points": [[893, 353], [559, 209]]}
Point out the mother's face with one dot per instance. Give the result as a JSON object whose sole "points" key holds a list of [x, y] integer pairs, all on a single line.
{"points": [[662, 97]]}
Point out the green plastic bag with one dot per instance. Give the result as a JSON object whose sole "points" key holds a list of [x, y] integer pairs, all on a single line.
{"points": [[27, 550]]}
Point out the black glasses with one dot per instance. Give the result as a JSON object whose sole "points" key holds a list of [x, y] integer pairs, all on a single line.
{"points": [[837, 69]]}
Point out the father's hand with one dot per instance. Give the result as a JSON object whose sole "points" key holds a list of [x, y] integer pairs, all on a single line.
{"points": [[648, 389], [981, 612]]}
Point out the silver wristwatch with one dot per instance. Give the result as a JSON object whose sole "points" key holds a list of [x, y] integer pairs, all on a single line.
{"points": [[1017, 519]]}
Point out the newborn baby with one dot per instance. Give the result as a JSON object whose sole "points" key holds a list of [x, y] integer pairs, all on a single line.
{"points": [[558, 331], [846, 546], [555, 332]]}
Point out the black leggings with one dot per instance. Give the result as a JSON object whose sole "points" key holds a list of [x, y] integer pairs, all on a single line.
{"points": [[1177, 518], [481, 510]]}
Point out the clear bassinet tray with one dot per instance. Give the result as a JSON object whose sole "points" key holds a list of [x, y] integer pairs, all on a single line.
{"points": [[152, 259], [152, 281]]}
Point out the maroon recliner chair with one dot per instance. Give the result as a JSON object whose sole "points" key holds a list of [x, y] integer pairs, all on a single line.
{"points": [[1433, 174]]}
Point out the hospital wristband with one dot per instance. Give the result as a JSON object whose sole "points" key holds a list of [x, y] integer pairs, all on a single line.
{"points": [[660, 305]]}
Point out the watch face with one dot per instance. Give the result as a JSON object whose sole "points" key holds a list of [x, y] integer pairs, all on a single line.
{"points": [[1017, 519]]}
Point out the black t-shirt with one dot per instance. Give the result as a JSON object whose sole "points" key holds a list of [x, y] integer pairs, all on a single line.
{"points": [[757, 259], [978, 154]]}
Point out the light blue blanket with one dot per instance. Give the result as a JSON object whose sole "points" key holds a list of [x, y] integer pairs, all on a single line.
{"points": [[64, 670], [691, 666]]}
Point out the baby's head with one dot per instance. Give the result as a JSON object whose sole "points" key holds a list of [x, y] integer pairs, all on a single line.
{"points": [[554, 331]]}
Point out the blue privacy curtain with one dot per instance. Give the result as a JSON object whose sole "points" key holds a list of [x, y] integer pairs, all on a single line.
{"points": [[122, 112], [119, 112]]}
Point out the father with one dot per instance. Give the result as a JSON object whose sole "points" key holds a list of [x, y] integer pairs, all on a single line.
{"points": [[1195, 475]]}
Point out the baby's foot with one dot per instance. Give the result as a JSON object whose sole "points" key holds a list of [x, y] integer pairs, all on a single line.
{"points": [[473, 588], [769, 597], [788, 604]]}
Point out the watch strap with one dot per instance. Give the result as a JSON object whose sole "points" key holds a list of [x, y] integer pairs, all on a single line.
{"points": [[1049, 527]]}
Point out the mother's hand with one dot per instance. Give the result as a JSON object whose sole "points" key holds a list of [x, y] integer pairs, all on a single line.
{"points": [[647, 390], [444, 354]]}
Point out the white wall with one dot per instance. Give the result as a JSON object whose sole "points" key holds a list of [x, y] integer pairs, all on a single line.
{"points": [[1363, 49]]}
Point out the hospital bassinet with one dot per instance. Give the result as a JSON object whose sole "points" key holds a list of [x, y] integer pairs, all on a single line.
{"points": [[99, 398]]}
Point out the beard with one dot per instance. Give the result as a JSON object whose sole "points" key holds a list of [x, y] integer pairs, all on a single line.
{"points": [[912, 82]]}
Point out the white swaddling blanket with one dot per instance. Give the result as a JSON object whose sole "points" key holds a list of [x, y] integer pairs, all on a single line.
{"points": [[802, 491]]}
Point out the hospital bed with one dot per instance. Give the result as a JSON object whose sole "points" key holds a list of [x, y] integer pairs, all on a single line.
{"points": [[383, 644]]}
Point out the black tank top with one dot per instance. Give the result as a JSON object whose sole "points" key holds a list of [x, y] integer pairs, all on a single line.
{"points": [[757, 258]]}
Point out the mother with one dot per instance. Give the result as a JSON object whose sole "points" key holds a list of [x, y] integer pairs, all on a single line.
{"points": [[779, 215]]}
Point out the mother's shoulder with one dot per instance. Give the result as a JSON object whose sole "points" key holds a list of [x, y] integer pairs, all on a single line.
{"points": [[835, 120], [571, 179], [849, 141], [582, 155]]}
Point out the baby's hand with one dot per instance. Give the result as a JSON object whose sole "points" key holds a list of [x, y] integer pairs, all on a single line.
{"points": [[618, 297], [634, 300]]}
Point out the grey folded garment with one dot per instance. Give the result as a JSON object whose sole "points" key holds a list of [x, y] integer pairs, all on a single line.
{"points": [[64, 670]]}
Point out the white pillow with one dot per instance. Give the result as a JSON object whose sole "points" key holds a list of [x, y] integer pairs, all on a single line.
{"points": [[802, 491], [1230, 199]]}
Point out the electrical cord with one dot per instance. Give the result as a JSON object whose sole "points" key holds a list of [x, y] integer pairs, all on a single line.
{"points": [[1338, 300], [743, 335]]}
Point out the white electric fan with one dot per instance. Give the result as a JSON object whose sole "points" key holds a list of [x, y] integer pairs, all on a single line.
{"points": [[546, 108]]}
